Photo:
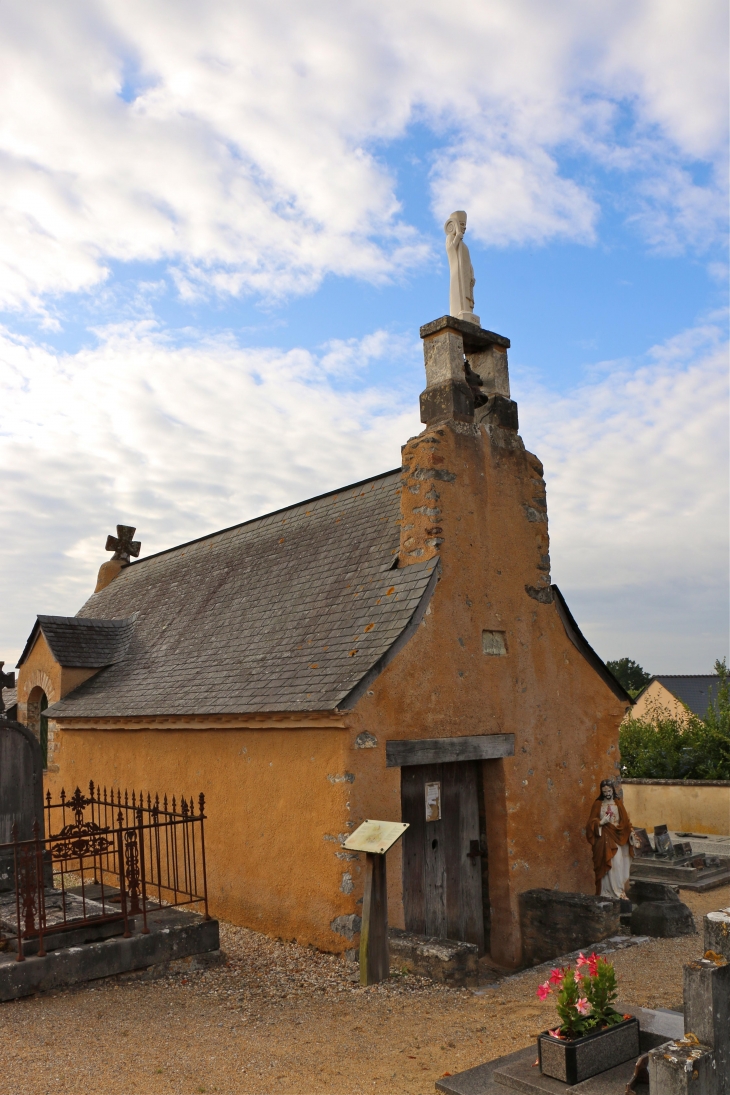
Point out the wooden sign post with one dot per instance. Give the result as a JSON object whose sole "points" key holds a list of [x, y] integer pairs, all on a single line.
{"points": [[375, 838]]}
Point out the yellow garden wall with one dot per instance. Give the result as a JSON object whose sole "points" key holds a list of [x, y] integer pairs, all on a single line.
{"points": [[692, 806]]}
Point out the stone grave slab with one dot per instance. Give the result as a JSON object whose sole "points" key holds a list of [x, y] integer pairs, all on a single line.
{"points": [[174, 935], [76, 909], [695, 861], [715, 871], [516, 1071]]}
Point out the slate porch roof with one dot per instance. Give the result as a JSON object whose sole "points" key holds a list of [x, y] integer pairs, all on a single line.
{"points": [[82, 643], [287, 612]]}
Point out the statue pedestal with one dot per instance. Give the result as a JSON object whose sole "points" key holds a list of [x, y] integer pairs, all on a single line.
{"points": [[445, 342]]}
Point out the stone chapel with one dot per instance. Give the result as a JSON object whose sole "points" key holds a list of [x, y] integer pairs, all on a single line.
{"points": [[394, 649]]}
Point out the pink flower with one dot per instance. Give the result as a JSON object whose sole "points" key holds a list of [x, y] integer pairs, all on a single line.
{"points": [[583, 1007], [556, 977], [544, 990], [555, 1033], [591, 962]]}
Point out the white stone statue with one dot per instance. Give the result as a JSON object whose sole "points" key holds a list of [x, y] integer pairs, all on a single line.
{"points": [[610, 832], [461, 288]]}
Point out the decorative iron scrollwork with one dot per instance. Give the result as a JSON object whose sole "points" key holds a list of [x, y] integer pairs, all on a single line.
{"points": [[81, 838], [27, 883], [131, 871]]}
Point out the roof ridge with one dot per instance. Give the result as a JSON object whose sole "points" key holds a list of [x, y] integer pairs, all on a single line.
{"points": [[261, 516], [90, 621], [685, 676]]}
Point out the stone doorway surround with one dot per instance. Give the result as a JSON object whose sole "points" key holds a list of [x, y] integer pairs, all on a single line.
{"points": [[445, 886]]}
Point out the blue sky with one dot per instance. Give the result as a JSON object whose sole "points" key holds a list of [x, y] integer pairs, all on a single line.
{"points": [[222, 228]]}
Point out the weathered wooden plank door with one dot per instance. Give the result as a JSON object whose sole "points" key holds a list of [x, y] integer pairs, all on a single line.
{"points": [[442, 870]]}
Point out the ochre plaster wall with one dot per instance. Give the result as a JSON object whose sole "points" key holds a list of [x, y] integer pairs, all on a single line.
{"points": [[684, 807], [41, 670], [488, 494], [276, 802]]}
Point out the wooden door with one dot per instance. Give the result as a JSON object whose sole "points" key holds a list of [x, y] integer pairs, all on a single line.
{"points": [[442, 868]]}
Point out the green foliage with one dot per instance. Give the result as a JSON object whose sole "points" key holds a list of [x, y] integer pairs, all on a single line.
{"points": [[585, 996], [629, 674], [661, 746], [600, 991], [572, 1023]]}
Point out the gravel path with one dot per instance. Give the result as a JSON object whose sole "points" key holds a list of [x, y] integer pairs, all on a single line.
{"points": [[282, 1018]]}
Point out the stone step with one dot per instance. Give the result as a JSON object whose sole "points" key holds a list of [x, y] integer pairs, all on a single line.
{"points": [[524, 1076]]}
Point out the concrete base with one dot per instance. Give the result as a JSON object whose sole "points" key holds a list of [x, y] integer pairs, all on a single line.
{"points": [[516, 1071], [174, 934]]}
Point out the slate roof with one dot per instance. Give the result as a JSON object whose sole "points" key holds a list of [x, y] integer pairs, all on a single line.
{"points": [[82, 643], [695, 691], [287, 612]]}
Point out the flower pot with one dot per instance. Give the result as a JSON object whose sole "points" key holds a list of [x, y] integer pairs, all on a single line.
{"points": [[573, 1061]]}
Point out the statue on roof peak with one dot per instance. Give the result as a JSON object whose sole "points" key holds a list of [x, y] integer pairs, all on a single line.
{"points": [[461, 271]]}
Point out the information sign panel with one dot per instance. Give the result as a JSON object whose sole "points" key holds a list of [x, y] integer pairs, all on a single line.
{"points": [[375, 836]]}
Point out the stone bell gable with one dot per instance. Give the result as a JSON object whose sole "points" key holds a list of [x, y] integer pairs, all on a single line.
{"points": [[498, 657]]}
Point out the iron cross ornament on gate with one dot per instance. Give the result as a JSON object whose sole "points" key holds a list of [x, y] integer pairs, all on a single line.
{"points": [[122, 544]]}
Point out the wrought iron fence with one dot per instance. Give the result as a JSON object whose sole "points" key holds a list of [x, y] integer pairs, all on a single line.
{"points": [[108, 857]]}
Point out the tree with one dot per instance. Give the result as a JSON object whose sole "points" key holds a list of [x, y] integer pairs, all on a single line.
{"points": [[662, 746], [629, 674]]}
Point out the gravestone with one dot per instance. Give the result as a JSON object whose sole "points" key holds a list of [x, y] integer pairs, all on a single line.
{"points": [[658, 910], [674, 863], [21, 790], [699, 1063]]}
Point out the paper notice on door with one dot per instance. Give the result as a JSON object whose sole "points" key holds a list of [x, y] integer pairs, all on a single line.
{"points": [[433, 802]]}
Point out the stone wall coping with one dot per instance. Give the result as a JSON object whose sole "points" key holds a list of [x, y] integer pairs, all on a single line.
{"points": [[682, 782]]}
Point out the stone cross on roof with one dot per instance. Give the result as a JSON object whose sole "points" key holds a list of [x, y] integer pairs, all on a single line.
{"points": [[7, 680], [122, 544]]}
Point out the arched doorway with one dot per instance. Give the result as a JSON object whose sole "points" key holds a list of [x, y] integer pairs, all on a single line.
{"points": [[37, 721]]}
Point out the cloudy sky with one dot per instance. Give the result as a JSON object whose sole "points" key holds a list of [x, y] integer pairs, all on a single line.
{"points": [[221, 227]]}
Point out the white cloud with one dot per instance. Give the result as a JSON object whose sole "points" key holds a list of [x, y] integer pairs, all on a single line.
{"points": [[174, 440], [180, 441], [235, 141], [513, 198], [636, 462]]}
